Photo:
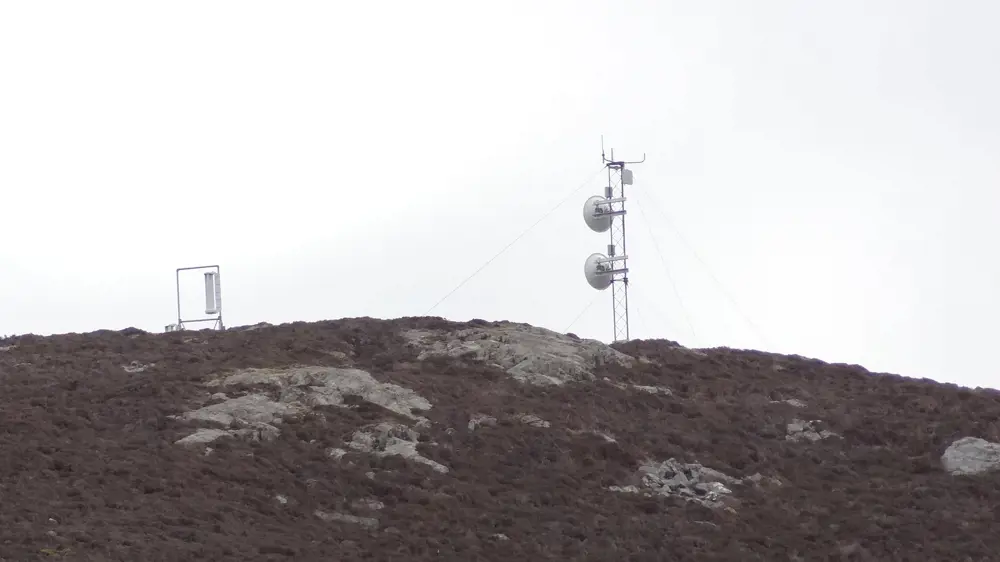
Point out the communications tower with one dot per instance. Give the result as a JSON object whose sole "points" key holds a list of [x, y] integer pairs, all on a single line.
{"points": [[607, 214]]}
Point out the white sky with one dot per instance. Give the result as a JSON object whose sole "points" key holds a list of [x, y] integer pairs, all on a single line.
{"points": [[835, 164]]}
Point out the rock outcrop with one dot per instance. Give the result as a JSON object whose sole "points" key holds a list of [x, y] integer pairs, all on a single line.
{"points": [[690, 482], [971, 455], [529, 354], [801, 430], [386, 439], [292, 391], [327, 386]]}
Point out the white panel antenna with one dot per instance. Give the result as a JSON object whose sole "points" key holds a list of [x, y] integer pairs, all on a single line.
{"points": [[213, 299], [210, 307], [601, 215]]}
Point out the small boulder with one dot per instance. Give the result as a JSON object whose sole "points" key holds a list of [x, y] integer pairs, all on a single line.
{"points": [[481, 419], [532, 420], [800, 430], [971, 455]]}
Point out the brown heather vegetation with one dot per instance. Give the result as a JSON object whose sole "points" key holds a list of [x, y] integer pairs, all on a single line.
{"points": [[89, 469]]}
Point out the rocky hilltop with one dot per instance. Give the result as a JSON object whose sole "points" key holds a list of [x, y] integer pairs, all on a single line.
{"points": [[422, 439]]}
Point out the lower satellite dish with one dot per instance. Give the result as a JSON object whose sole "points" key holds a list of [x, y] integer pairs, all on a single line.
{"points": [[598, 272], [592, 215]]}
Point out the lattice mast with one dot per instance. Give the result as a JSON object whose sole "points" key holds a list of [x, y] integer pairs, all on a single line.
{"points": [[607, 214], [619, 280]]}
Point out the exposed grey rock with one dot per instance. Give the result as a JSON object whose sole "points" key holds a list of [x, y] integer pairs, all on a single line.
{"points": [[244, 409], [706, 474], [532, 420], [386, 439], [255, 416], [252, 327], [136, 367], [971, 455], [800, 430], [709, 488], [203, 436], [653, 389], [630, 489], [370, 504], [759, 479], [529, 354], [366, 522], [338, 354], [642, 388], [692, 482], [607, 437], [794, 402], [253, 432], [316, 386], [259, 432], [481, 419]]}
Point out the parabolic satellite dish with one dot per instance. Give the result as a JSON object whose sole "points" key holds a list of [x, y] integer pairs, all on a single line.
{"points": [[597, 271], [593, 218]]}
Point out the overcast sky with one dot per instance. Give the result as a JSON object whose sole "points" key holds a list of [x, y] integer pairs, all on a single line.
{"points": [[821, 177]]}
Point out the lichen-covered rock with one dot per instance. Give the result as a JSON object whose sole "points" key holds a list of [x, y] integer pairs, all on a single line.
{"points": [[642, 388], [261, 432], [367, 522], [529, 354], [321, 386], [385, 439], [135, 367], [532, 420], [296, 390], [481, 419], [971, 455], [793, 402], [251, 408], [203, 436], [801, 430], [691, 482], [759, 480], [368, 504], [653, 389]]}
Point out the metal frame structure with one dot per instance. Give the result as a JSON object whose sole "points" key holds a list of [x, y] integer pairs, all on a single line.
{"points": [[217, 319], [616, 262]]}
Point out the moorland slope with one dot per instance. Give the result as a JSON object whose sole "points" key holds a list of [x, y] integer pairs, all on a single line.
{"points": [[421, 439]]}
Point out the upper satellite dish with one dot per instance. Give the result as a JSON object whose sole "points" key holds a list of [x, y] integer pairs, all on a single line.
{"points": [[592, 214], [598, 273]]}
